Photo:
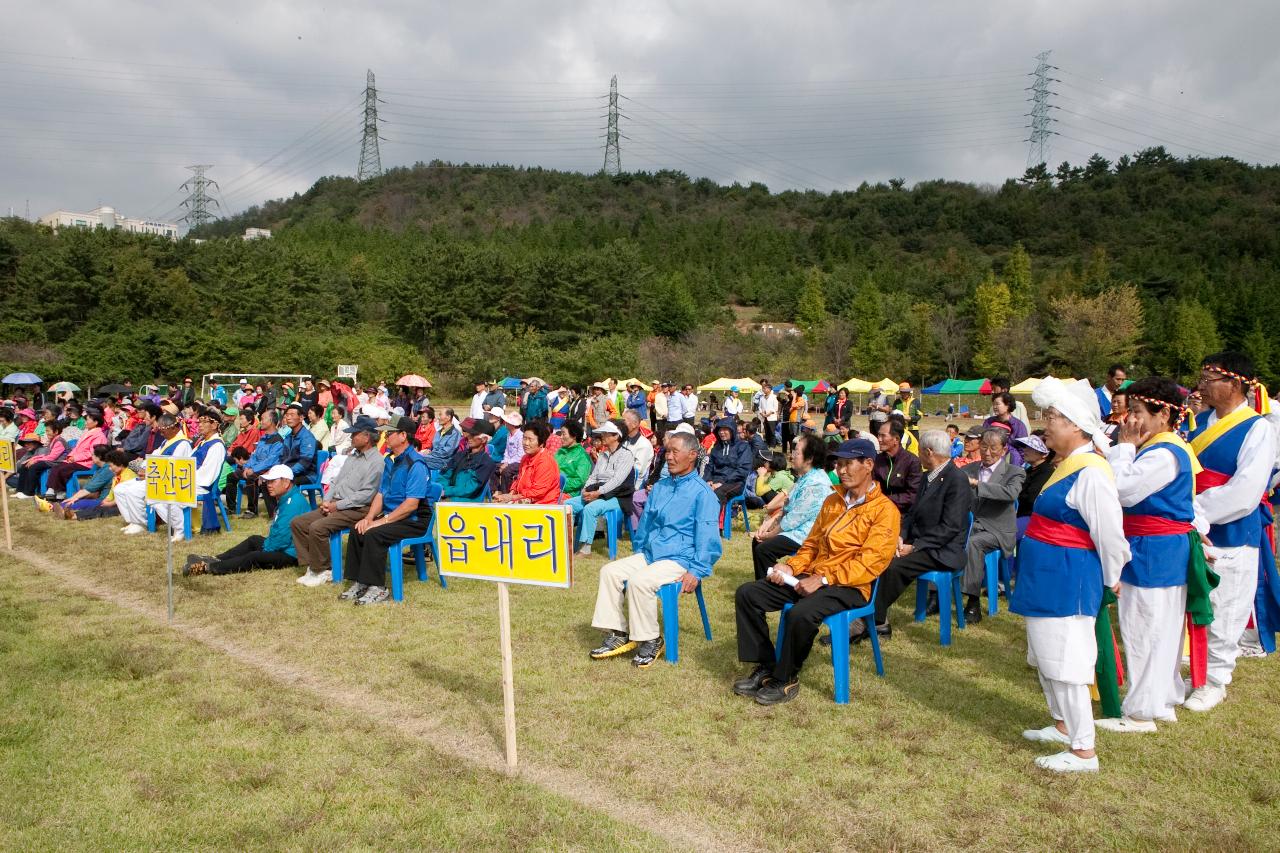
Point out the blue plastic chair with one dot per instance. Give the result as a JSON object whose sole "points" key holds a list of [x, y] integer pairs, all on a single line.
{"points": [[950, 595], [214, 497], [335, 553], [999, 569], [310, 490], [612, 523], [726, 529], [418, 545], [186, 521], [839, 625], [669, 597]]}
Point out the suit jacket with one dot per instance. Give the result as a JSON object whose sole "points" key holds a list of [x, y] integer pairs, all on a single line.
{"points": [[938, 525], [993, 504]]}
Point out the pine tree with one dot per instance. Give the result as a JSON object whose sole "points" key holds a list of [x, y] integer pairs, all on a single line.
{"points": [[811, 309], [1017, 275], [992, 309]]}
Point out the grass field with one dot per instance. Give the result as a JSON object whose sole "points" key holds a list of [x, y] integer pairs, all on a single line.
{"points": [[272, 715]]}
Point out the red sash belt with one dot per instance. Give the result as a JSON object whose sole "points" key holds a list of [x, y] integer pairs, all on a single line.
{"points": [[1153, 525], [1207, 479], [1059, 533]]}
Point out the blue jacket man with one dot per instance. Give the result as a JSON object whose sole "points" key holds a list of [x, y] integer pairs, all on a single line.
{"points": [[299, 447], [639, 401], [728, 461], [446, 442]]}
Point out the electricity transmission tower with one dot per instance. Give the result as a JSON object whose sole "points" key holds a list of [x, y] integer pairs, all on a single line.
{"points": [[198, 201], [370, 158], [612, 153], [1040, 107]]}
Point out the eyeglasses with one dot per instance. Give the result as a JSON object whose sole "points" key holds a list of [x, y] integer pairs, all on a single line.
{"points": [[1204, 379]]}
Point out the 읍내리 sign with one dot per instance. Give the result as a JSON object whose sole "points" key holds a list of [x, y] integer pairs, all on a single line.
{"points": [[506, 543]]}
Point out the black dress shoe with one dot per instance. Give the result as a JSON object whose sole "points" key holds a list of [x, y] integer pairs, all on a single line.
{"points": [[751, 685], [931, 608], [972, 614], [884, 632], [775, 692]]}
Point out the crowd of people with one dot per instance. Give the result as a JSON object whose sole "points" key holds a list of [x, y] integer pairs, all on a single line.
{"points": [[1141, 492]]}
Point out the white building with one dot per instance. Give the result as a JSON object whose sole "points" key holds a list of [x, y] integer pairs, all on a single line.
{"points": [[106, 217], [257, 233]]}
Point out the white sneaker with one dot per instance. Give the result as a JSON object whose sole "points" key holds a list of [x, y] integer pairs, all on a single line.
{"points": [[306, 579], [1205, 698], [1252, 650], [133, 529], [1068, 762], [1171, 717], [21, 496], [1049, 734], [177, 536], [322, 578], [1125, 724]]}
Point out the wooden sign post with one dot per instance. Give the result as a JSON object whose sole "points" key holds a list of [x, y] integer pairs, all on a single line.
{"points": [[171, 480], [7, 466], [506, 543]]}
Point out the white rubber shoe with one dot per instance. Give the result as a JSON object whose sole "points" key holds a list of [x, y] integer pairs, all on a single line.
{"points": [[1068, 762], [306, 579], [1126, 725], [1205, 698], [1049, 734], [133, 529]]}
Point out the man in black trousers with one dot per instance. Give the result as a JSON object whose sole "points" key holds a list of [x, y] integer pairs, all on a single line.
{"points": [[934, 533]]}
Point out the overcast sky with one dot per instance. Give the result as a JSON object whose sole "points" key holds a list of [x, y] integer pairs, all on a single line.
{"points": [[105, 103]]}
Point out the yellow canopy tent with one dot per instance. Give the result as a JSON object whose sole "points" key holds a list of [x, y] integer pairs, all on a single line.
{"points": [[724, 383], [746, 385], [887, 385], [1029, 384], [627, 383], [856, 386]]}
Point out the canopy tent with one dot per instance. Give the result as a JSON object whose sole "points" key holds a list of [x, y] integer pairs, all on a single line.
{"points": [[724, 383], [627, 383], [510, 383], [966, 386], [815, 386], [747, 385], [935, 388], [886, 385], [1026, 386], [856, 386]]}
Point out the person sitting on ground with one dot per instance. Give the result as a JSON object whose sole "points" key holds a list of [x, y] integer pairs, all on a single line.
{"points": [[848, 547], [538, 481], [350, 494], [399, 511], [80, 457], [678, 539], [791, 512], [771, 477], [472, 467], [268, 453], [96, 498], [996, 483], [728, 462], [44, 458], [609, 487], [933, 534], [897, 470], [572, 459], [273, 551]]}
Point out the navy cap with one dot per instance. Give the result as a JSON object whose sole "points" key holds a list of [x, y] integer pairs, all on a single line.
{"points": [[856, 448], [364, 423]]}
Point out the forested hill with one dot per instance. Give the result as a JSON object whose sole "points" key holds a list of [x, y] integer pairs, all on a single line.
{"points": [[464, 271]]}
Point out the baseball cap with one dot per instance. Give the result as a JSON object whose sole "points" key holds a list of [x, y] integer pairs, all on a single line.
{"points": [[685, 428], [497, 412], [474, 426], [363, 423], [405, 425], [975, 431], [609, 427], [856, 448], [1033, 442], [278, 472]]}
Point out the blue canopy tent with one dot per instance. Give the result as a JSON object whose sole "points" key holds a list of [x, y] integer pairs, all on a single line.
{"points": [[510, 383], [935, 388]]}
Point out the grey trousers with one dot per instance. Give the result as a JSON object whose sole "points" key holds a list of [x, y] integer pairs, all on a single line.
{"points": [[981, 542]]}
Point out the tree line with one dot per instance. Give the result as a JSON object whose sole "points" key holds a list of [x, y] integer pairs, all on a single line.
{"points": [[467, 271]]}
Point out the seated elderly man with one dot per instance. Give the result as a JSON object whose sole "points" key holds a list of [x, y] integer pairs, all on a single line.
{"points": [[728, 462], [996, 483], [273, 551], [933, 534], [398, 511], [849, 545], [471, 467], [350, 494], [678, 540]]}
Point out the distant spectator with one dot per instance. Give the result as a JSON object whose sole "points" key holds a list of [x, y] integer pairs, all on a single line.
{"points": [[1002, 417]]}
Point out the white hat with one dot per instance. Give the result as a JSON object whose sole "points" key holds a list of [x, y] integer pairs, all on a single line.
{"points": [[513, 418], [1077, 402], [244, 381], [496, 411], [278, 472], [375, 411], [606, 428], [685, 428], [398, 411]]}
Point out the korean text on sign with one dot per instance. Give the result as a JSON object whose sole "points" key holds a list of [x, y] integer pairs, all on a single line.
{"points": [[528, 543], [6, 457], [171, 480]]}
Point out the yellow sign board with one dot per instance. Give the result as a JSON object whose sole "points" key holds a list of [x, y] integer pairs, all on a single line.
{"points": [[510, 543], [7, 465], [171, 480]]}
